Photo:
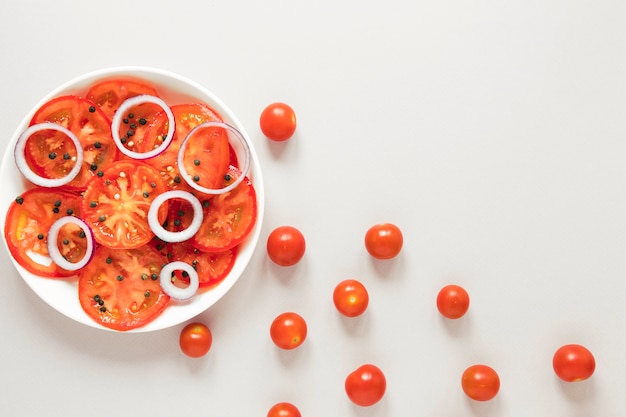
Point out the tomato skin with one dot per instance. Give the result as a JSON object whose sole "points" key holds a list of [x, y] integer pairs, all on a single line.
{"points": [[366, 385], [288, 330], [284, 409], [480, 382], [278, 121], [384, 241], [286, 246], [195, 340], [453, 301], [573, 363], [350, 298]]}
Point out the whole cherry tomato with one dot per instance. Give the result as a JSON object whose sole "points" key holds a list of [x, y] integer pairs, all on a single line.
{"points": [[573, 363], [288, 330], [284, 409], [384, 241], [350, 298], [278, 122], [480, 382], [453, 301], [366, 385], [286, 246], [195, 340]]}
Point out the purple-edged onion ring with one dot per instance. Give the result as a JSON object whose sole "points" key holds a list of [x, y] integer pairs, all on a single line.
{"points": [[53, 249], [238, 143], [29, 174], [179, 293], [166, 235], [119, 116]]}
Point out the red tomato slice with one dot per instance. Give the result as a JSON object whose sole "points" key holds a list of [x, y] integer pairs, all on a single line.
{"points": [[26, 229], [212, 267], [110, 94], [50, 154], [120, 288], [207, 155], [116, 204], [228, 217]]}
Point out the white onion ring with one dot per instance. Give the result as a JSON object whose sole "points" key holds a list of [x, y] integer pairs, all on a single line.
{"points": [[173, 291], [53, 249], [119, 116], [245, 167], [166, 235], [29, 174]]}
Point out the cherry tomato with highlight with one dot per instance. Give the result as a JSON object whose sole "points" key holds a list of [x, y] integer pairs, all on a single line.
{"points": [[195, 340], [284, 409], [384, 241], [278, 122], [350, 298], [286, 246], [480, 382], [288, 330], [366, 385], [453, 301], [573, 363]]}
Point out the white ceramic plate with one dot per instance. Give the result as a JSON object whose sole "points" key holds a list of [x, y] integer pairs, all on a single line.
{"points": [[62, 294]]}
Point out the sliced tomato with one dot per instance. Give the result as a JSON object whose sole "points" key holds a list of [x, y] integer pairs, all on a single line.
{"points": [[110, 94], [26, 229], [207, 155], [120, 288], [212, 267], [116, 204], [228, 217], [52, 154]]}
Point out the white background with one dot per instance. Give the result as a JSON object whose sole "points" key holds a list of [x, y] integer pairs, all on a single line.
{"points": [[492, 132]]}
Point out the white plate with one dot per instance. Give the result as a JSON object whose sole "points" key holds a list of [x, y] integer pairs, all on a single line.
{"points": [[62, 294]]}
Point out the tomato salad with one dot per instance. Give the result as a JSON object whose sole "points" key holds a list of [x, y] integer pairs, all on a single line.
{"points": [[141, 202]]}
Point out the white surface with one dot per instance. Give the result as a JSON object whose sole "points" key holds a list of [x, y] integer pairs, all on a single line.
{"points": [[491, 132]]}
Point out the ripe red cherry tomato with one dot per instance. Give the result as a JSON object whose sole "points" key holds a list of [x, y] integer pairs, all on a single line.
{"points": [[288, 330], [286, 246], [573, 363], [284, 410], [366, 385], [480, 382], [383, 241], [278, 121], [350, 298], [195, 340], [453, 301]]}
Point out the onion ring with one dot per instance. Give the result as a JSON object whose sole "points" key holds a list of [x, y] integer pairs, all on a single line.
{"points": [[29, 174], [166, 235], [173, 291], [53, 249], [119, 115], [240, 143]]}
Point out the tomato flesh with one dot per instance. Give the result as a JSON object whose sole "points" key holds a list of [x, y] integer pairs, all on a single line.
{"points": [[108, 95]]}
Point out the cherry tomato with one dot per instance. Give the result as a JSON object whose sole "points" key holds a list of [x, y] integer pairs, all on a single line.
{"points": [[286, 246], [288, 330], [350, 298], [480, 382], [120, 288], [278, 122], [366, 385], [195, 340], [453, 301], [284, 410], [573, 363], [383, 241]]}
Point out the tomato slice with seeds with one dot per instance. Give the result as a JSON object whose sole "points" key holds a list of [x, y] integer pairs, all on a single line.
{"points": [[26, 229], [212, 267], [116, 204], [52, 154], [120, 288], [228, 217], [110, 94]]}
